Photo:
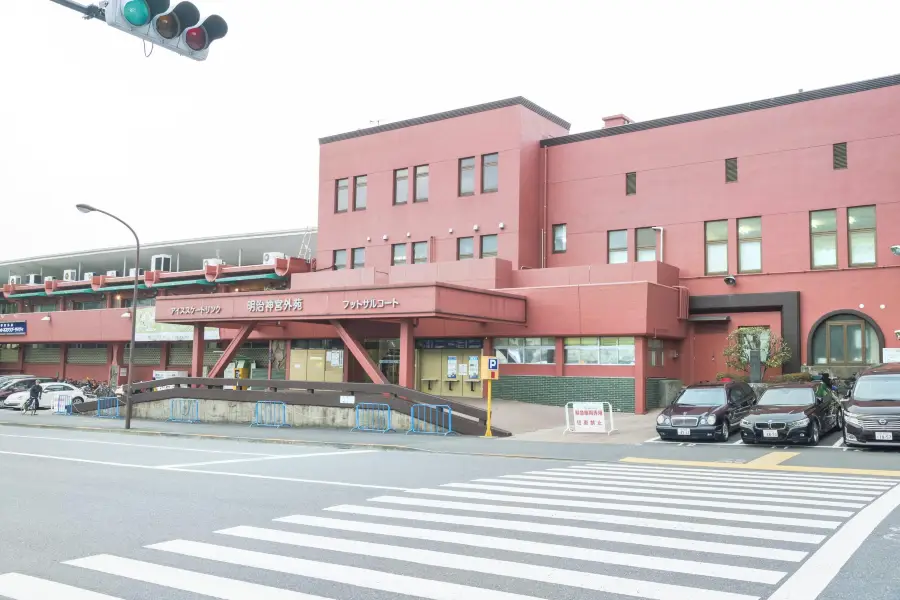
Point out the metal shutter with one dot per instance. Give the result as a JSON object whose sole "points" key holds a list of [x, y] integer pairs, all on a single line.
{"points": [[839, 156], [42, 354], [145, 354], [96, 355], [630, 184], [9, 355], [180, 355], [731, 170]]}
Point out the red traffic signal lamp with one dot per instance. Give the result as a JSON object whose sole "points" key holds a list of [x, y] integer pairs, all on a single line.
{"points": [[177, 29]]}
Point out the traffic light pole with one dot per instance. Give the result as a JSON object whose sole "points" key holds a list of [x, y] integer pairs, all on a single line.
{"points": [[89, 11]]}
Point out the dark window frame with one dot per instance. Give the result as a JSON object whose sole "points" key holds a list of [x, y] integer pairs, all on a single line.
{"points": [[337, 195], [394, 248], [398, 178], [813, 234], [707, 243], [481, 246], [631, 183], [731, 170], [356, 186], [416, 188], [484, 166], [353, 251], [460, 170], [334, 261], [610, 249], [638, 247], [839, 158], [851, 230], [741, 240], [459, 255], [565, 237], [413, 253]]}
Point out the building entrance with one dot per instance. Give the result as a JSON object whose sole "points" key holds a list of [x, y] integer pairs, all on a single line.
{"points": [[449, 367]]}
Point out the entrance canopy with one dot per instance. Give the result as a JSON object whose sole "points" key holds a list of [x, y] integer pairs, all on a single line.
{"points": [[403, 301]]}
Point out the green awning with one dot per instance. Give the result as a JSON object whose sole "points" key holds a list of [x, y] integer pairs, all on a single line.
{"points": [[117, 288], [166, 284], [248, 277], [28, 295], [70, 292]]}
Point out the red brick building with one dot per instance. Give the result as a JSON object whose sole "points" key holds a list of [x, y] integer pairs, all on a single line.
{"points": [[594, 264]]}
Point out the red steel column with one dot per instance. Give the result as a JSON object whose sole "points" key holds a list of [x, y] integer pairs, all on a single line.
{"points": [[359, 352], [407, 354], [233, 346], [640, 376], [197, 351], [63, 350]]}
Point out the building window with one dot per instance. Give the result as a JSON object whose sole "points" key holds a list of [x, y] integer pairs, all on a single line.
{"points": [[490, 172], [44, 307], [630, 184], [398, 254], [617, 251], [142, 302], [7, 308], [599, 351], [341, 195], [359, 192], [716, 247], [750, 245], [91, 305], [420, 253], [465, 248], [421, 184], [731, 170], [525, 351], [861, 229], [339, 260], [467, 176], [359, 258], [823, 238], [655, 348], [646, 244], [845, 340], [489, 246], [839, 156], [559, 238], [401, 186]]}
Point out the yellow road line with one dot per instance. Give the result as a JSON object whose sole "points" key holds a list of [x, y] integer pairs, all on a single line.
{"points": [[768, 462]]}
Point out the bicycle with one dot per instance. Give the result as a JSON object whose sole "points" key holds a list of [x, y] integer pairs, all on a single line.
{"points": [[31, 404]]}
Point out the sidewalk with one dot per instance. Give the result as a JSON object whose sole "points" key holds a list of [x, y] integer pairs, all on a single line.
{"points": [[539, 443]]}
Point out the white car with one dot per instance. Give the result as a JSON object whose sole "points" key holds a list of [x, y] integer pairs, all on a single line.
{"points": [[53, 391]]}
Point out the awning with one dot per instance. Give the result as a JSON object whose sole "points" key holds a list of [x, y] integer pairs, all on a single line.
{"points": [[28, 295], [249, 277], [117, 288], [167, 284], [70, 292], [709, 318]]}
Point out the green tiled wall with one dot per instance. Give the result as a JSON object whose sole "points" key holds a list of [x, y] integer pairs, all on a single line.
{"points": [[557, 391]]}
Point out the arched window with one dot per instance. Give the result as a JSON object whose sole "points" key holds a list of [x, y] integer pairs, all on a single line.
{"points": [[845, 340]]}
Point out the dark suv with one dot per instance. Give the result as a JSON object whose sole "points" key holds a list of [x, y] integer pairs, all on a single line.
{"points": [[706, 411], [872, 409]]}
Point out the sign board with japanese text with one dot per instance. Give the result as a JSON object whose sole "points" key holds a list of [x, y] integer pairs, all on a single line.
{"points": [[890, 355], [148, 330], [473, 368], [451, 367], [490, 367], [13, 327], [589, 417]]}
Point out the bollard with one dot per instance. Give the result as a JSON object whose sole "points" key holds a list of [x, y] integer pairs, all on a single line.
{"points": [[270, 413], [108, 408], [184, 410], [373, 416], [433, 419]]}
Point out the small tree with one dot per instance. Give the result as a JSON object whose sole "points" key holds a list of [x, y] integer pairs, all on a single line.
{"points": [[773, 351]]}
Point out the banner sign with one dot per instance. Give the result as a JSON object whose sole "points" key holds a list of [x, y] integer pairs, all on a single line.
{"points": [[450, 344], [13, 327], [148, 330]]}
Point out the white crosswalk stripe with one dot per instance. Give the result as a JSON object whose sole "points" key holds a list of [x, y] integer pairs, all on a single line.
{"points": [[586, 532]]}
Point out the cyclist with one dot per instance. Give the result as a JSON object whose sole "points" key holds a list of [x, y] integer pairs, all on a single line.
{"points": [[34, 395]]}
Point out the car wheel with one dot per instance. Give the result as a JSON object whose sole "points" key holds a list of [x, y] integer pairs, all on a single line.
{"points": [[839, 422], [813, 438], [77, 400], [726, 431]]}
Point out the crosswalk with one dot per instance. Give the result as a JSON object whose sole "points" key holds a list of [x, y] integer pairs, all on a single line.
{"points": [[584, 531]]}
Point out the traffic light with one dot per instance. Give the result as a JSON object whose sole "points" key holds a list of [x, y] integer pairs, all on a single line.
{"points": [[178, 29]]}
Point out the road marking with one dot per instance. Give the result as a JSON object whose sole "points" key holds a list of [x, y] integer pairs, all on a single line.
{"points": [[443, 560], [23, 587], [767, 475], [640, 561], [654, 439], [771, 459], [181, 579], [202, 472], [653, 541], [624, 488], [787, 468], [813, 577], [806, 510], [270, 457], [663, 510], [640, 482], [838, 443], [746, 533], [737, 443], [155, 447]]}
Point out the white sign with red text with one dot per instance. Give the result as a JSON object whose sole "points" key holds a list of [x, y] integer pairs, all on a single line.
{"points": [[589, 417]]}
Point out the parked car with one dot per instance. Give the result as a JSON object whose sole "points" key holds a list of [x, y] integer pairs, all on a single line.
{"points": [[793, 412], [13, 386], [6, 378], [706, 411], [872, 408], [52, 391]]}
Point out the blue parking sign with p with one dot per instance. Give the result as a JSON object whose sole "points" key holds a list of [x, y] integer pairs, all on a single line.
{"points": [[493, 364]]}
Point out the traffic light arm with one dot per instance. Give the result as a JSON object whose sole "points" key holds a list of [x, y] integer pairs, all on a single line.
{"points": [[90, 11]]}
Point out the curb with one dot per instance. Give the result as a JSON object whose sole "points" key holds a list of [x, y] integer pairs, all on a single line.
{"points": [[342, 445]]}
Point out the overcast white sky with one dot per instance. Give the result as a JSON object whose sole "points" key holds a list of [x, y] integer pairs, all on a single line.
{"points": [[182, 148]]}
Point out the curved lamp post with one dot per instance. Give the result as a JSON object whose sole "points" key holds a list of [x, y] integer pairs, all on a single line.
{"points": [[87, 208]]}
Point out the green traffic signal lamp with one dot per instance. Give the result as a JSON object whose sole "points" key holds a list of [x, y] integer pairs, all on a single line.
{"points": [[139, 13]]}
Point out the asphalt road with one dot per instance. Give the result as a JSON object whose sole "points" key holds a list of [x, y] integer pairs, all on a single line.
{"points": [[93, 516]]}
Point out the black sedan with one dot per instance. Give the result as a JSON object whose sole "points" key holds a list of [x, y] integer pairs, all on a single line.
{"points": [[793, 412], [706, 411]]}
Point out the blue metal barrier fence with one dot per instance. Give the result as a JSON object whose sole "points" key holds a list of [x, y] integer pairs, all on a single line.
{"points": [[270, 413], [63, 405], [108, 408], [434, 419], [184, 410], [373, 416]]}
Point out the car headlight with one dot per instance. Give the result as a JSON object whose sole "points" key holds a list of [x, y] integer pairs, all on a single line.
{"points": [[711, 419], [662, 420], [800, 423], [851, 418], [746, 423]]}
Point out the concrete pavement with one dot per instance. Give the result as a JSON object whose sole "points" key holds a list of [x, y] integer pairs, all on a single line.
{"points": [[140, 517]]}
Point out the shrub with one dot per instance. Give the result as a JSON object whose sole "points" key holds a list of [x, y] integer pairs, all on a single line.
{"points": [[733, 376], [792, 377]]}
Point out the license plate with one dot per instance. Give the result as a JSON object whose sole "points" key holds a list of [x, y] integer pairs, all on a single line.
{"points": [[884, 435], [684, 431], [770, 433]]}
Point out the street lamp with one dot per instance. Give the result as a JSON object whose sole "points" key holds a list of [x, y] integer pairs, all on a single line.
{"points": [[87, 208]]}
